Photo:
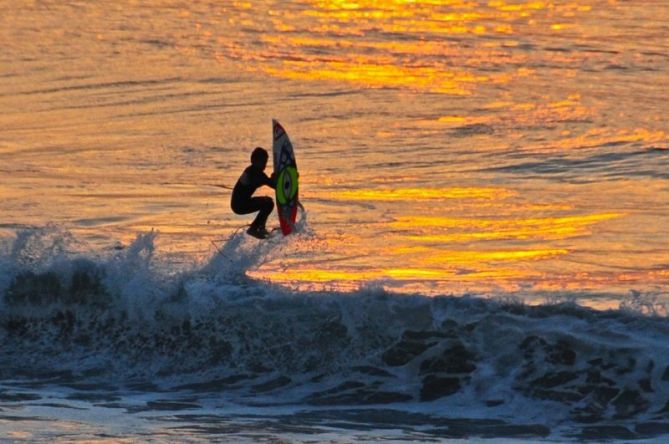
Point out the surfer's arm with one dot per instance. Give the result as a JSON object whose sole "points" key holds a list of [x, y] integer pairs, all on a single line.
{"points": [[270, 181]]}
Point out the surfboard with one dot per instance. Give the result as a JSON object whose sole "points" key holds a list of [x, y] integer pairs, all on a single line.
{"points": [[285, 171]]}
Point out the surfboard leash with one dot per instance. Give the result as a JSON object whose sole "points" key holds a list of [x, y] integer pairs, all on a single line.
{"points": [[216, 242]]}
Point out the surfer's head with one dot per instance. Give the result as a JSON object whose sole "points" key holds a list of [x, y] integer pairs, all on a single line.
{"points": [[259, 157]]}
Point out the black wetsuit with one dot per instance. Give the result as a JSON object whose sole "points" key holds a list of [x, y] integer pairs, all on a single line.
{"points": [[242, 201]]}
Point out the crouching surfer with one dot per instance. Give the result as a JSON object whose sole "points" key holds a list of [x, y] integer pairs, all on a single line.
{"points": [[243, 202]]}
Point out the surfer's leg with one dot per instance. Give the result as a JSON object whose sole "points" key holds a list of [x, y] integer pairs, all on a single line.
{"points": [[264, 206], [243, 207]]}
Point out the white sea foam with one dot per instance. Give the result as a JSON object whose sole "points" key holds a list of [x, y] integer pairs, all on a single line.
{"points": [[119, 315]]}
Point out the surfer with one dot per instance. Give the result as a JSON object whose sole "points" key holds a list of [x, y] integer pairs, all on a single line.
{"points": [[243, 202]]}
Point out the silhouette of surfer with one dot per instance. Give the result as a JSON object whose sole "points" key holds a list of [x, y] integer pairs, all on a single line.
{"points": [[243, 202]]}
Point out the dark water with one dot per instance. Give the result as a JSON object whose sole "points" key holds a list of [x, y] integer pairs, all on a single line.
{"points": [[111, 349]]}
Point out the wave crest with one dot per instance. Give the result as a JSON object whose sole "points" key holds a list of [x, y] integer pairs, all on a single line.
{"points": [[212, 329]]}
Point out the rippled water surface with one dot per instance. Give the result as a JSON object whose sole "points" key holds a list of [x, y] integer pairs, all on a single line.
{"points": [[514, 150], [449, 145]]}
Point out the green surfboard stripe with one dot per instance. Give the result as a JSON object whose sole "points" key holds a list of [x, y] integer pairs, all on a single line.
{"points": [[280, 194]]}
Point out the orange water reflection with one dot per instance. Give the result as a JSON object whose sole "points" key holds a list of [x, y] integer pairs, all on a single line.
{"points": [[412, 194], [92, 133], [379, 75], [396, 43], [469, 229], [506, 249]]}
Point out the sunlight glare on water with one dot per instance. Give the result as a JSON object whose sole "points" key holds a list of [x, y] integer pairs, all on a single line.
{"points": [[443, 146]]}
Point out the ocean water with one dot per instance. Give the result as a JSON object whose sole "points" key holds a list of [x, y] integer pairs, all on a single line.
{"points": [[483, 251]]}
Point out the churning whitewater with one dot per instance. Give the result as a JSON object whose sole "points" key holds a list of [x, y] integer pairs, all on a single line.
{"points": [[111, 324]]}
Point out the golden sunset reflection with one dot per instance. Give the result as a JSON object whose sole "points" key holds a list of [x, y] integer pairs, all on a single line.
{"points": [[345, 41], [380, 75], [398, 194], [520, 113], [478, 257], [353, 278], [477, 144], [482, 229], [501, 251], [602, 136]]}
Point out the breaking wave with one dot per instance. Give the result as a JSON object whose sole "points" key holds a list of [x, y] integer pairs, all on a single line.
{"points": [[212, 329]]}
